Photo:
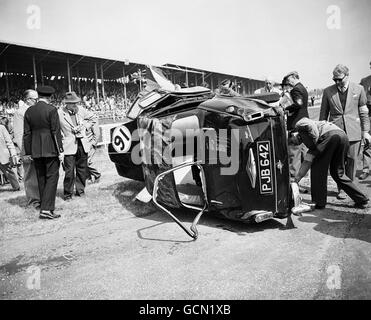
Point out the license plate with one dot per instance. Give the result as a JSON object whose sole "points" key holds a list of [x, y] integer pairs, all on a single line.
{"points": [[265, 167]]}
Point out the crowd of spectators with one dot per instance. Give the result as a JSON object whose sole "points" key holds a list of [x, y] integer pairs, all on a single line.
{"points": [[112, 105]]}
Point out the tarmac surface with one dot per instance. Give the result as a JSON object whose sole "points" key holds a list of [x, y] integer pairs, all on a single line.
{"points": [[107, 245]]}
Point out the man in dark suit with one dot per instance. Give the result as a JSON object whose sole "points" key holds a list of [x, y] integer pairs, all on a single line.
{"points": [[43, 142], [344, 104], [296, 111]]}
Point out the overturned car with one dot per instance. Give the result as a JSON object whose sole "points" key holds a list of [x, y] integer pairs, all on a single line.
{"points": [[207, 153]]}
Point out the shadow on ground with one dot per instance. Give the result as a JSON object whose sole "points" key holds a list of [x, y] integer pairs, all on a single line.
{"points": [[332, 222], [126, 191]]}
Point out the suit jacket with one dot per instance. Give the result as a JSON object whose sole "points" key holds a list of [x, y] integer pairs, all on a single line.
{"points": [[7, 148], [84, 117], [299, 108], [354, 118], [93, 134], [366, 83], [42, 133], [18, 122]]}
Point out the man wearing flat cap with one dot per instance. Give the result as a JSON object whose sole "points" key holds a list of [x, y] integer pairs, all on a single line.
{"points": [[297, 110], [43, 142], [75, 120]]}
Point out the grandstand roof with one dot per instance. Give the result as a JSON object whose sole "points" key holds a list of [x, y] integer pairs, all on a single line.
{"points": [[18, 59]]}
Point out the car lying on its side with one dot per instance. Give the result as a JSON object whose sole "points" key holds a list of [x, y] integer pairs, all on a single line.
{"points": [[207, 153]]}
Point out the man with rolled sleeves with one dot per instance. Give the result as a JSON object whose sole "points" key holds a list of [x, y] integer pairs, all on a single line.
{"points": [[30, 178], [295, 111], [344, 104], [366, 156], [43, 142], [327, 146]]}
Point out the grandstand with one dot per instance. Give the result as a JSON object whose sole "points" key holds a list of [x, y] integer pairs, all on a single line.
{"points": [[24, 67], [108, 86]]}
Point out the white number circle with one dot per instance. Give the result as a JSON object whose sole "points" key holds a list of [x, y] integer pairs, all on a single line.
{"points": [[121, 139]]}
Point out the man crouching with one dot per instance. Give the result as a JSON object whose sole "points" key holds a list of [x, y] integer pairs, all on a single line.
{"points": [[328, 146]]}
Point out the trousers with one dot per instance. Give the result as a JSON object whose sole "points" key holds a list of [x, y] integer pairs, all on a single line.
{"points": [[75, 171], [10, 174], [336, 149], [31, 185], [92, 171], [47, 170]]}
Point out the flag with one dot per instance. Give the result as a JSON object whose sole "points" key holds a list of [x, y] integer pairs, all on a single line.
{"points": [[156, 80]]}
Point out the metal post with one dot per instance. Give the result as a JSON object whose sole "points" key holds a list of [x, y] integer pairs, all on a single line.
{"points": [[78, 81], [34, 72], [42, 74], [101, 75], [124, 78], [211, 83], [186, 77], [7, 81], [69, 75], [203, 78], [96, 81]]}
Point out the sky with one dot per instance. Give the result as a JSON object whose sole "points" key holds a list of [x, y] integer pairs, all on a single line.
{"points": [[253, 39]]}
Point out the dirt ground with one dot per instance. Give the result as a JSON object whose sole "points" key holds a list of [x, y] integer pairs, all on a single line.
{"points": [[109, 246]]}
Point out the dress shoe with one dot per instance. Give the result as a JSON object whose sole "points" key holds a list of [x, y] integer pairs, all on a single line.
{"points": [[362, 205], [48, 215], [319, 207], [363, 175], [341, 195], [80, 194], [69, 198]]}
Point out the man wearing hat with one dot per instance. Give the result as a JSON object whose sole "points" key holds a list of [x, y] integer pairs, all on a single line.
{"points": [[226, 88], [75, 120], [345, 104], [296, 111], [42, 141]]}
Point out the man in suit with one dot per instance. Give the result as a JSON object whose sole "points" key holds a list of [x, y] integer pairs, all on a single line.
{"points": [[268, 87], [295, 111], [93, 136], [366, 156], [75, 121], [43, 142], [7, 151], [344, 104], [30, 178]]}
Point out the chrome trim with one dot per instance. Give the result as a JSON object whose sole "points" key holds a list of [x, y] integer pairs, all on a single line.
{"points": [[274, 165], [192, 231]]}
